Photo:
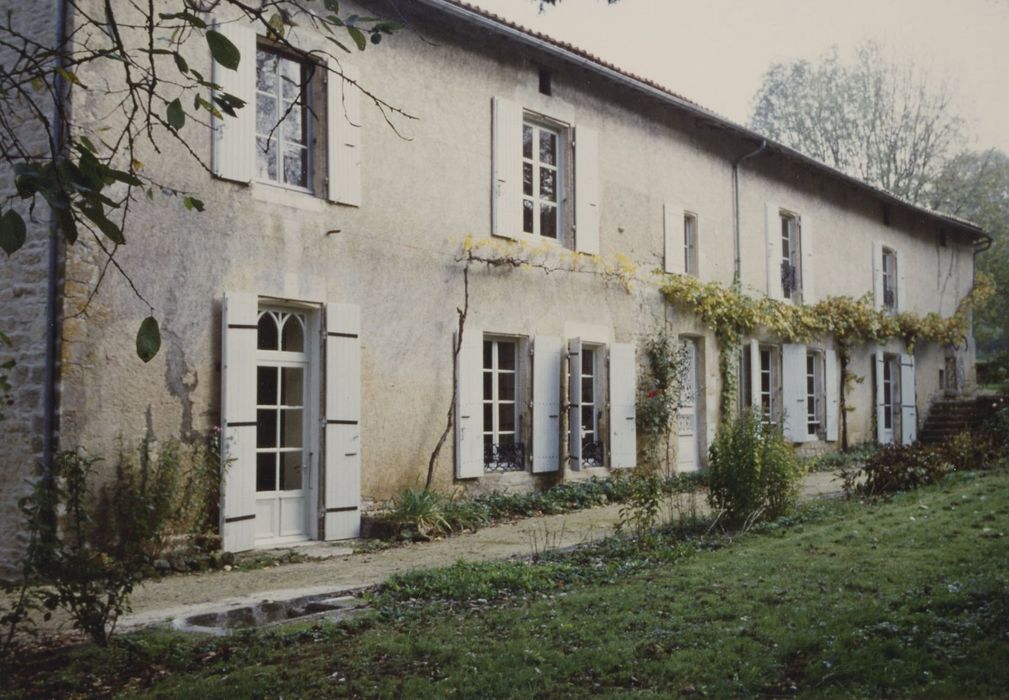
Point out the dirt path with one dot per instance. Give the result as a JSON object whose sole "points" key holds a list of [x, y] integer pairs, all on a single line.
{"points": [[158, 600]]}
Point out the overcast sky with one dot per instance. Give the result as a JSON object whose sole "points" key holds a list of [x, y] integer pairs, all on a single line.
{"points": [[715, 52]]}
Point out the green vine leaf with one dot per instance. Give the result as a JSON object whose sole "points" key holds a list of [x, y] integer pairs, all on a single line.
{"points": [[148, 339]]}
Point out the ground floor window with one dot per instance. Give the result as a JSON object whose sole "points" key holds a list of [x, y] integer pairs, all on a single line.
{"points": [[814, 392], [503, 449], [766, 398], [592, 444], [891, 391]]}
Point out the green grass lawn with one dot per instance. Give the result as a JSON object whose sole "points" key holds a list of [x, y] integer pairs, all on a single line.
{"points": [[905, 598]]}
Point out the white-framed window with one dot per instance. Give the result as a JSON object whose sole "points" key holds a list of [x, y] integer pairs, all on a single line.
{"points": [[791, 257], [503, 448], [767, 382], [814, 392], [542, 179], [284, 108], [889, 266], [593, 451], [891, 393], [690, 263]]}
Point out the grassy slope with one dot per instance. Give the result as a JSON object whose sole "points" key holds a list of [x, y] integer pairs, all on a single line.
{"points": [[905, 598]]}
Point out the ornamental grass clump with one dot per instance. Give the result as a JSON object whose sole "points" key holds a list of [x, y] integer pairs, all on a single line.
{"points": [[753, 473]]}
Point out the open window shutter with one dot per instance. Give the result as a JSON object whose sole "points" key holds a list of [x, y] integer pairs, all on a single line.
{"points": [[755, 376], [772, 241], [880, 408], [469, 406], [506, 157], [673, 258], [575, 401], [343, 110], [623, 386], [546, 403], [586, 190], [832, 388], [238, 421], [902, 304], [806, 247], [793, 392], [877, 274], [233, 152], [343, 421], [908, 401]]}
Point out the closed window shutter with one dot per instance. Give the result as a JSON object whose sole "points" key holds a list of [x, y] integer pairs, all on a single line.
{"points": [[832, 382], [673, 226], [806, 247], [755, 376], [586, 190], [546, 403], [343, 109], [772, 240], [902, 301], [575, 401], [343, 421], [233, 152], [506, 162], [880, 408], [469, 458], [623, 387], [238, 421], [877, 274], [793, 392], [908, 401]]}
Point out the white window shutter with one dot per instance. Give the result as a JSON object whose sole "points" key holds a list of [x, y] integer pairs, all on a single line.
{"points": [[575, 401], [586, 190], [238, 421], [832, 388], [469, 406], [908, 401], [755, 376], [233, 152], [902, 300], [623, 390], [343, 109], [343, 421], [793, 392], [672, 223], [880, 408], [772, 241], [877, 274], [546, 403], [806, 247], [506, 163]]}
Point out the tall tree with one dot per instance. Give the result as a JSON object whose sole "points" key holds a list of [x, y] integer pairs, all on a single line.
{"points": [[888, 123]]}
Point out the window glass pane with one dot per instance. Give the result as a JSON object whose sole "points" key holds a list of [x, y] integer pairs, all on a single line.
{"points": [[765, 381], [488, 386], [587, 415], [506, 355], [290, 470], [506, 416], [588, 360], [266, 386], [293, 124], [587, 395], [294, 334], [548, 220], [506, 387], [266, 471], [292, 380], [266, 338], [548, 147], [527, 215], [266, 158], [266, 114], [295, 166], [527, 141], [488, 417], [527, 179], [291, 78], [291, 433], [548, 189], [488, 449], [266, 428], [266, 71], [506, 441]]}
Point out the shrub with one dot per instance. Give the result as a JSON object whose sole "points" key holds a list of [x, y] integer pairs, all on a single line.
{"points": [[839, 460], [898, 468], [421, 508], [753, 472], [641, 509]]}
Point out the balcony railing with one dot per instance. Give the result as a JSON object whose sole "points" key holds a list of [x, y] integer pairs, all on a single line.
{"points": [[510, 457]]}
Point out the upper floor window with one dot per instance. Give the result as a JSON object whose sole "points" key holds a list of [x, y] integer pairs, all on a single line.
{"points": [[690, 244], [541, 179], [889, 265], [283, 127], [791, 257]]}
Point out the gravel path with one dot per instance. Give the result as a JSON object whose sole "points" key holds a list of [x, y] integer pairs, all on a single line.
{"points": [[171, 597]]}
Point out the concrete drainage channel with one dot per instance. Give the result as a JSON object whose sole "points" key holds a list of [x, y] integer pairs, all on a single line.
{"points": [[331, 607]]}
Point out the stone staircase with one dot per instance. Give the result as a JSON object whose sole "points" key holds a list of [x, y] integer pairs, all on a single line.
{"points": [[949, 417]]}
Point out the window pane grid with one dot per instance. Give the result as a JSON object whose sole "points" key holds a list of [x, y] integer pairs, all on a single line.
{"points": [[500, 405], [281, 124], [540, 180], [766, 390]]}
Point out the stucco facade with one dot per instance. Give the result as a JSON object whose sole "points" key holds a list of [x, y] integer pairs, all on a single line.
{"points": [[394, 255]]}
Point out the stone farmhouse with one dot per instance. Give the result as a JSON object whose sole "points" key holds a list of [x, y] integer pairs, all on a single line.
{"points": [[310, 310]]}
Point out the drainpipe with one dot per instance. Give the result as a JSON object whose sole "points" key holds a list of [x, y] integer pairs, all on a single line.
{"points": [[52, 283], [737, 247]]}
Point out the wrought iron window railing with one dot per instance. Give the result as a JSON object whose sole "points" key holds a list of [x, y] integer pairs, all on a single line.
{"points": [[509, 457], [593, 453]]}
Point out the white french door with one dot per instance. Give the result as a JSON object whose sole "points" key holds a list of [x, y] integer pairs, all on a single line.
{"points": [[687, 447]]}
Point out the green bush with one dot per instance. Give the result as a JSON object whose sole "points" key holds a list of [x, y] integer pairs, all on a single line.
{"points": [[839, 460], [422, 509], [753, 472], [898, 468]]}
